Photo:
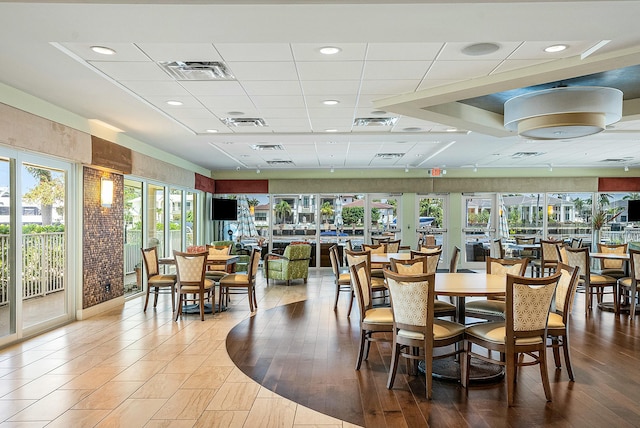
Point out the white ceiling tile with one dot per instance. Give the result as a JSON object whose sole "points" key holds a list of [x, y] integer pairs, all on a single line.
{"points": [[315, 101], [452, 51], [322, 124], [255, 51], [170, 52], [301, 122], [311, 51], [335, 70], [200, 126], [156, 88], [325, 87], [535, 49], [371, 129], [278, 101], [385, 87], [193, 113], [461, 69], [395, 70], [188, 102], [514, 64], [283, 113], [124, 52], [403, 51], [251, 129], [131, 70], [228, 103], [337, 113], [216, 87], [272, 87], [263, 70], [434, 83]]}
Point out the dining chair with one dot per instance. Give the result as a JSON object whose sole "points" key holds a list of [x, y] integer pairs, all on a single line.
{"points": [[429, 248], [415, 326], [614, 268], [377, 284], [242, 283], [548, 258], [378, 241], [433, 259], [575, 243], [524, 331], [190, 268], [429, 240], [627, 288], [579, 257], [494, 309], [560, 315], [393, 246], [497, 249], [526, 240], [216, 271], [157, 283], [376, 268], [424, 264], [455, 258], [341, 279], [372, 320]]}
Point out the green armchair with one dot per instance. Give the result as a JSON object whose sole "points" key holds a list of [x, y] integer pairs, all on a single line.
{"points": [[243, 255], [292, 264]]}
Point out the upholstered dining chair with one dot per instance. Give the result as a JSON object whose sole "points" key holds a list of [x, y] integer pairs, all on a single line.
{"points": [[190, 268], [415, 326], [524, 331], [377, 284], [579, 257], [378, 240], [424, 264], [372, 320], [575, 243], [429, 248], [157, 283], [342, 279], [496, 250], [453, 261], [215, 271], [526, 240], [560, 315], [614, 268], [628, 287], [376, 268], [242, 283], [548, 258], [393, 246], [494, 309], [433, 258]]}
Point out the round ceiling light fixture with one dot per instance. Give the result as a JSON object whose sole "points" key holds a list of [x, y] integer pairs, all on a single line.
{"points": [[555, 48], [329, 50], [103, 50], [174, 103], [330, 102], [479, 49], [563, 113]]}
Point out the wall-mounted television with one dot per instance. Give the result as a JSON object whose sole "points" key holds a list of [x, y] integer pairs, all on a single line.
{"points": [[224, 209], [633, 211]]}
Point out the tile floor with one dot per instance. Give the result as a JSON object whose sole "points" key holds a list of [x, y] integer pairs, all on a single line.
{"points": [[127, 368]]}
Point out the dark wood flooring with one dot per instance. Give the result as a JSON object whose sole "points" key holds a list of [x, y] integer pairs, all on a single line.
{"points": [[306, 352]]}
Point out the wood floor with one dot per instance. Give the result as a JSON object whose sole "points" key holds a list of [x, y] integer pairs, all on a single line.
{"points": [[127, 368]]}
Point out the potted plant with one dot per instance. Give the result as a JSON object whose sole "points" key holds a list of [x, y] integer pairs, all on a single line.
{"points": [[598, 220]]}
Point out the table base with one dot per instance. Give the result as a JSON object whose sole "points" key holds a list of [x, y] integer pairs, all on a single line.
{"points": [[195, 309], [448, 369]]}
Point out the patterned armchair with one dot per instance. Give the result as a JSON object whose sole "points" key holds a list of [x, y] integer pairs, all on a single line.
{"points": [[292, 264]]}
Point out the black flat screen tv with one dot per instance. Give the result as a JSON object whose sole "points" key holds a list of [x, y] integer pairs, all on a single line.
{"points": [[633, 211], [224, 209]]}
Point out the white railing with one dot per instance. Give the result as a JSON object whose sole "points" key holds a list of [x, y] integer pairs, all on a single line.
{"points": [[43, 262]]}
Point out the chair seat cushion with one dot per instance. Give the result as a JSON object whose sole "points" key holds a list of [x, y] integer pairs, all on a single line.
{"points": [[344, 278], [616, 273], [440, 306], [377, 283], [194, 288], [487, 307], [596, 279], [215, 274], [442, 329], [495, 332], [236, 279], [378, 316], [555, 321], [162, 280], [625, 282]]}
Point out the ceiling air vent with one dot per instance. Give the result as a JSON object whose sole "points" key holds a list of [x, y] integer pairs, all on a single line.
{"points": [[519, 155], [268, 147], [614, 160], [375, 121], [281, 163], [244, 121], [198, 70], [389, 155]]}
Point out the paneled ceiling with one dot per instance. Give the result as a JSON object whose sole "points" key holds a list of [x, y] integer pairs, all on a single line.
{"points": [[401, 85]]}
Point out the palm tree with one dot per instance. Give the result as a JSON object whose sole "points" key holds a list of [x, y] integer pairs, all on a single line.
{"points": [[326, 210], [632, 197], [283, 210], [46, 192]]}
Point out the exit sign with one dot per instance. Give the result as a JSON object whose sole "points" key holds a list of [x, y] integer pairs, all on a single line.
{"points": [[435, 172]]}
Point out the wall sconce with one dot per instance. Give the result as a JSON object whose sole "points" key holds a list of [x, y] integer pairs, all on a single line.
{"points": [[106, 192]]}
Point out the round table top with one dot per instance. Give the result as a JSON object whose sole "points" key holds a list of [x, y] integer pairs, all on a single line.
{"points": [[385, 258], [470, 284], [610, 256]]}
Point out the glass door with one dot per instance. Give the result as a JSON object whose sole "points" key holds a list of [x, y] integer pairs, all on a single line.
{"points": [[432, 218], [7, 291], [478, 228], [296, 218], [385, 216]]}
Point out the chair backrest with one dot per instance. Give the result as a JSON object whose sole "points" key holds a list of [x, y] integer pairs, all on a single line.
{"points": [[190, 267], [378, 241], [455, 257], [634, 264], [433, 258], [393, 246], [413, 266], [566, 290], [429, 240], [496, 250], [428, 249], [348, 245], [612, 249], [576, 243], [254, 262], [333, 257], [525, 240], [355, 257], [150, 257], [579, 257], [361, 285], [549, 253], [375, 249], [223, 250], [527, 305], [506, 266], [297, 252], [412, 298], [562, 252]]}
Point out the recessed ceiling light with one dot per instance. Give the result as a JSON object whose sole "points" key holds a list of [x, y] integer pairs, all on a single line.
{"points": [[555, 48], [103, 50], [479, 49], [330, 102], [330, 130], [174, 103], [235, 113], [329, 50], [452, 129], [211, 131]]}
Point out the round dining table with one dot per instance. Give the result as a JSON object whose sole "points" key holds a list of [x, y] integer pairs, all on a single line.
{"points": [[465, 284]]}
